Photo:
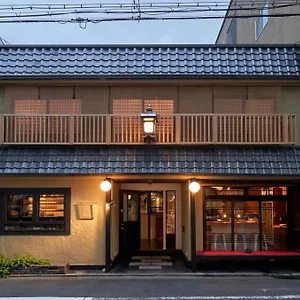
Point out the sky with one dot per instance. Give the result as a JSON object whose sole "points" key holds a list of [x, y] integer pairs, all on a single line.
{"points": [[130, 32]]}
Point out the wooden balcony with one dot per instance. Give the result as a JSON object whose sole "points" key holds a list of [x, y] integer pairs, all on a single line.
{"points": [[177, 129]]}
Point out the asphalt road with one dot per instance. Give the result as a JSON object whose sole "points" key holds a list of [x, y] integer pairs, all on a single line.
{"points": [[130, 288]]}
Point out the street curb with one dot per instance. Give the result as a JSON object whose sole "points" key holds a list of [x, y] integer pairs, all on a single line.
{"points": [[122, 275], [286, 276]]}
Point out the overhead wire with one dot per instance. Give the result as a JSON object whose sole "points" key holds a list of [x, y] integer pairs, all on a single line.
{"points": [[133, 18], [128, 11], [180, 10]]}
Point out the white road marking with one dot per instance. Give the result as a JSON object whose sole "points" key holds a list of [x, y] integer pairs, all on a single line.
{"points": [[277, 297]]}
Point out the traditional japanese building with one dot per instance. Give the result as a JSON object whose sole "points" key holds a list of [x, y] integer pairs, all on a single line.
{"points": [[150, 120]]}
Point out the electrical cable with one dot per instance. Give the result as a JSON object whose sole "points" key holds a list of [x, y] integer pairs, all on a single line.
{"points": [[99, 20], [141, 11]]}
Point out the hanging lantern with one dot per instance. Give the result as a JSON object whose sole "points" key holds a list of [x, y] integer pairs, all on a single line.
{"points": [[149, 119]]}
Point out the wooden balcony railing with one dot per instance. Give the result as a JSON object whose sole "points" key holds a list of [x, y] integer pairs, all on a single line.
{"points": [[185, 129]]}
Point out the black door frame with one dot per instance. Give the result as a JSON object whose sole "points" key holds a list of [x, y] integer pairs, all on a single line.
{"points": [[122, 226], [122, 234]]}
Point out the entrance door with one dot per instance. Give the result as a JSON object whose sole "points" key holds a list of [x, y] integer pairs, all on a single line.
{"points": [[129, 222], [152, 224], [147, 220]]}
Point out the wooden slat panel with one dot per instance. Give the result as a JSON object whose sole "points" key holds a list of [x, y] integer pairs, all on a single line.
{"points": [[95, 100], [56, 92], [195, 129], [125, 129], [19, 93], [271, 94], [119, 95], [195, 100], [165, 130], [152, 94], [89, 129], [229, 99]]}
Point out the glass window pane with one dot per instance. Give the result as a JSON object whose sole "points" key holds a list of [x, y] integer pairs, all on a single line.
{"points": [[171, 211], [156, 202], [246, 226], [144, 203], [268, 191], [223, 191], [274, 224], [19, 207], [132, 206], [51, 207], [218, 226]]}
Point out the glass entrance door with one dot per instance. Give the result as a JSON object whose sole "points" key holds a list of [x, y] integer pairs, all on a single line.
{"points": [[152, 220], [129, 222], [147, 220]]}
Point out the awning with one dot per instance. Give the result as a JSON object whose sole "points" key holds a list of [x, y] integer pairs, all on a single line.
{"points": [[87, 160]]}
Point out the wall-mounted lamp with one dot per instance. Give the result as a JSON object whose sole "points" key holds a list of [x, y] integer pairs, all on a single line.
{"points": [[194, 186], [109, 204], [105, 185], [149, 119]]}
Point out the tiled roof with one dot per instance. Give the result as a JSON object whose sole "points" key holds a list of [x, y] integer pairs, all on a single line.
{"points": [[149, 160], [135, 61]]}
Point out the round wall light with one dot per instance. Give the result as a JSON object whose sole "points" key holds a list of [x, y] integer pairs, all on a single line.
{"points": [[194, 186], [105, 185]]}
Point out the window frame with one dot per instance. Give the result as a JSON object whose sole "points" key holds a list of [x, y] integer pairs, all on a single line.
{"points": [[246, 198], [35, 192], [262, 20]]}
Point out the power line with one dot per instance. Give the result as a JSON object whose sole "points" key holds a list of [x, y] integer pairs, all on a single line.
{"points": [[140, 10], [135, 11], [51, 9], [133, 18]]}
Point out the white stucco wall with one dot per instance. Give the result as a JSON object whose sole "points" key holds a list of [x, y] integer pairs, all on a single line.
{"points": [[86, 243]]}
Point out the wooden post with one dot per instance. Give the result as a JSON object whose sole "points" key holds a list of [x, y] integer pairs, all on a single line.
{"points": [[193, 231], [215, 128], [286, 129], [1, 129], [294, 129], [107, 231], [108, 129], [71, 129], [177, 129]]}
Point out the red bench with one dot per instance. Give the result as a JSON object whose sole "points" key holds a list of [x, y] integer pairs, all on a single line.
{"points": [[234, 256]]}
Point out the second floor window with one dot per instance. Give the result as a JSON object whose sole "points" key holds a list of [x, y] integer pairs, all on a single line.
{"points": [[137, 106], [52, 106], [262, 20]]}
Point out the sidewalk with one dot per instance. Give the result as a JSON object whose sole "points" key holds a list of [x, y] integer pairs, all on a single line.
{"points": [[103, 274]]}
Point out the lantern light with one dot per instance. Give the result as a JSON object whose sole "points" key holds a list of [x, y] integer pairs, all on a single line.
{"points": [[149, 119], [194, 186], [105, 185]]}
